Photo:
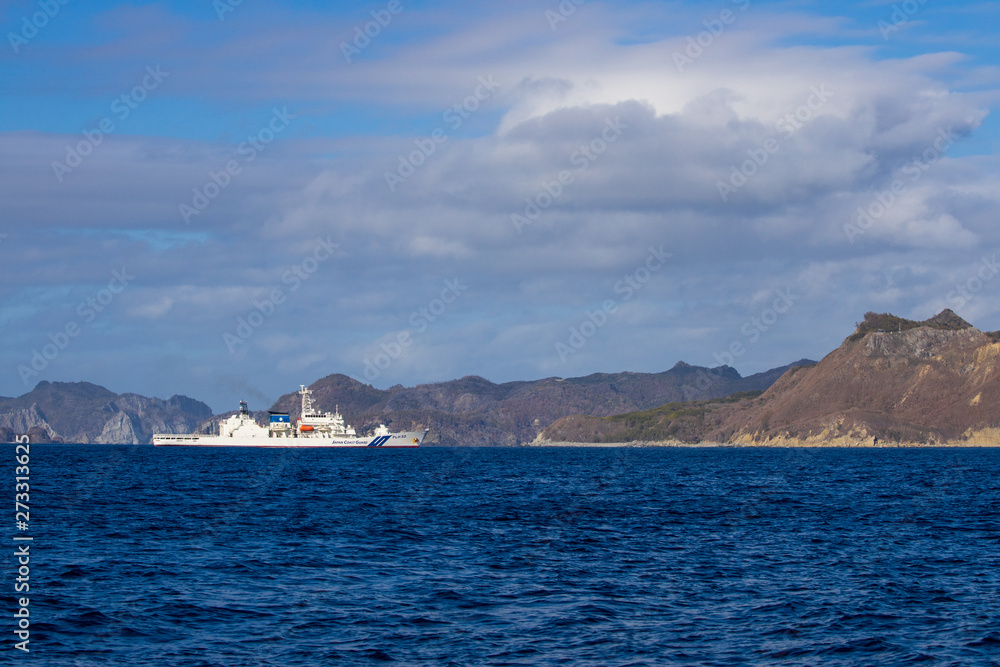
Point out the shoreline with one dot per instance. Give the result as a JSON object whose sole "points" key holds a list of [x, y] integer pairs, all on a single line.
{"points": [[783, 445]]}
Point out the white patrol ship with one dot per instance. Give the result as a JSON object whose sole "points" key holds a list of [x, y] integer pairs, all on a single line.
{"points": [[312, 429]]}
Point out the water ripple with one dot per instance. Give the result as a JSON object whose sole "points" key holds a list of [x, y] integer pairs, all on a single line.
{"points": [[516, 557]]}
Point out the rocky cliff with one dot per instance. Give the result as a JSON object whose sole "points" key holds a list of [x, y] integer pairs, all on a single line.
{"points": [[930, 382], [902, 381], [87, 413]]}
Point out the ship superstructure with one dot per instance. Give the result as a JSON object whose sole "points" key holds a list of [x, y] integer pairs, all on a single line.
{"points": [[312, 429], [314, 424]]}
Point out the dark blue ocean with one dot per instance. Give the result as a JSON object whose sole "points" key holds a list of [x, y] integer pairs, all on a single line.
{"points": [[525, 556]]}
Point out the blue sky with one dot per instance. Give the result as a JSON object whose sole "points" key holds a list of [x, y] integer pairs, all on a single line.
{"points": [[516, 190]]}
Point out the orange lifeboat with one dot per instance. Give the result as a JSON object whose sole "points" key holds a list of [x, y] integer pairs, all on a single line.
{"points": [[305, 427]]}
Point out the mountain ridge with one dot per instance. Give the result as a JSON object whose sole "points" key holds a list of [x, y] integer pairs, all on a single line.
{"points": [[475, 411], [935, 381], [466, 411]]}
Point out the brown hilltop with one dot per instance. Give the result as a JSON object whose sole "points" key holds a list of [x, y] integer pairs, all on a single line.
{"points": [[902, 381], [930, 382]]}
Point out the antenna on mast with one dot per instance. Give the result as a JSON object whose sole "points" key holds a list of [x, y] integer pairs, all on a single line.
{"points": [[307, 406]]}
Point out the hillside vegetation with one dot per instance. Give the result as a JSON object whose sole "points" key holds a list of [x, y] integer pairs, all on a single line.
{"points": [[887, 323], [686, 422]]}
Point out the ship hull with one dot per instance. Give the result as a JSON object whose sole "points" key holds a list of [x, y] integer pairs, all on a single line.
{"points": [[408, 439]]}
